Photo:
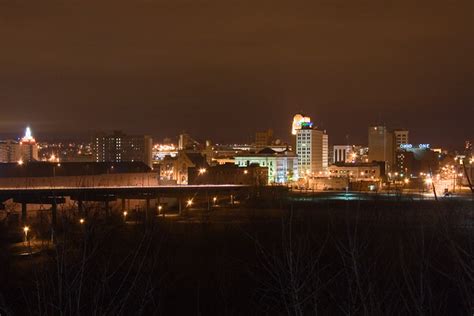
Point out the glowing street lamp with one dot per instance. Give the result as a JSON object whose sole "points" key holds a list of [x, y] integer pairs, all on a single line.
{"points": [[82, 221], [20, 162], [202, 171], [189, 202], [26, 229], [125, 215]]}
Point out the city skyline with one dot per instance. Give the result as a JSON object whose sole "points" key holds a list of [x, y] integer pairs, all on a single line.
{"points": [[159, 68]]}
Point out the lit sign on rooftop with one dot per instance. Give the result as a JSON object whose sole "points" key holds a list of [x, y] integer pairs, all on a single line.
{"points": [[410, 146], [306, 125]]}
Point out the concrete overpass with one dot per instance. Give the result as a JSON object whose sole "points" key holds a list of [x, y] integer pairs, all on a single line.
{"points": [[57, 195]]}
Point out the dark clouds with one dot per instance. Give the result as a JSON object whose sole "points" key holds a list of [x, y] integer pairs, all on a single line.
{"points": [[223, 69]]}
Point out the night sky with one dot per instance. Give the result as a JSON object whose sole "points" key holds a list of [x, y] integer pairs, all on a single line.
{"points": [[222, 69]]}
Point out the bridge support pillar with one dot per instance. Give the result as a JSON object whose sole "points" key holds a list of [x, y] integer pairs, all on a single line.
{"points": [[148, 213], [23, 212], [54, 213], [80, 207], [106, 205]]}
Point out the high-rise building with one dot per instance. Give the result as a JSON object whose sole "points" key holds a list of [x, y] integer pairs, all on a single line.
{"points": [[28, 147], [400, 137], [9, 151], [19, 151], [263, 139], [117, 147], [312, 150], [381, 145]]}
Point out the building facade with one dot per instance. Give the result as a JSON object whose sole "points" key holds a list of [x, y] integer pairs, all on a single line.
{"points": [[229, 174], [357, 171], [401, 137], [119, 147], [174, 170], [312, 151], [263, 139], [381, 146], [341, 153], [282, 166]]}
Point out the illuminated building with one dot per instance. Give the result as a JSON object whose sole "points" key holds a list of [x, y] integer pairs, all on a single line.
{"points": [[411, 160], [298, 119], [174, 170], [160, 151], [28, 147], [118, 147], [312, 151], [24, 150], [282, 166], [341, 153]]}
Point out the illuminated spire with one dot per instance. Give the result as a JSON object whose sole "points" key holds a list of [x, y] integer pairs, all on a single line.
{"points": [[28, 138]]}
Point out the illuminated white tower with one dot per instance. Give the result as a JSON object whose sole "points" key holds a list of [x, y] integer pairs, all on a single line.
{"points": [[28, 147]]}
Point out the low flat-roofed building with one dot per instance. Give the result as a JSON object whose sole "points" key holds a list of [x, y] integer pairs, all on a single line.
{"points": [[357, 171]]}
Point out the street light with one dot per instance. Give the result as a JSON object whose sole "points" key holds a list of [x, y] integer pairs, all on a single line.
{"points": [[202, 171], [20, 162], [26, 229], [82, 221], [125, 215], [190, 202]]}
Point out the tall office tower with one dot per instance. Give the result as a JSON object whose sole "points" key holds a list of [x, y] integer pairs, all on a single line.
{"points": [[312, 150], [28, 147], [9, 151], [263, 139], [400, 137], [117, 147], [381, 143]]}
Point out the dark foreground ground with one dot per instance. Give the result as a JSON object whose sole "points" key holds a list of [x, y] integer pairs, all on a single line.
{"points": [[326, 258]]}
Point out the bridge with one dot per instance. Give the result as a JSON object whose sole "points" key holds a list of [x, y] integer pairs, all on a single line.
{"points": [[57, 195]]}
